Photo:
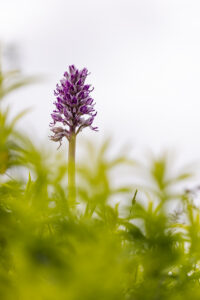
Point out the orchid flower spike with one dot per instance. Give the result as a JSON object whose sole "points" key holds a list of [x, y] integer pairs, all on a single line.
{"points": [[74, 105]]}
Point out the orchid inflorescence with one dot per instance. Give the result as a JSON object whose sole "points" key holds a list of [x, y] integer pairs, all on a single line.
{"points": [[74, 106]]}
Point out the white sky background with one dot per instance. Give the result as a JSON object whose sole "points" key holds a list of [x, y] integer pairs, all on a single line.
{"points": [[144, 59]]}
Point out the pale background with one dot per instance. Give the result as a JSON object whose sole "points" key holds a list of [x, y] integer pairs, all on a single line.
{"points": [[144, 59]]}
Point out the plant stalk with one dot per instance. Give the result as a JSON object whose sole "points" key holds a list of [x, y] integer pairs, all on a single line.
{"points": [[72, 170]]}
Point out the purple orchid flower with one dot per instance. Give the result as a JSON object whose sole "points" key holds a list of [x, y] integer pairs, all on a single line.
{"points": [[74, 105]]}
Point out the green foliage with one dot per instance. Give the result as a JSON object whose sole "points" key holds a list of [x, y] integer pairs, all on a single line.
{"points": [[12, 80], [117, 243]]}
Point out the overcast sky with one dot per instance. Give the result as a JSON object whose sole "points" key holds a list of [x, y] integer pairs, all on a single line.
{"points": [[143, 55]]}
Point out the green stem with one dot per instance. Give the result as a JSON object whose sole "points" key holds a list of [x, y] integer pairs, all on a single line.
{"points": [[72, 170]]}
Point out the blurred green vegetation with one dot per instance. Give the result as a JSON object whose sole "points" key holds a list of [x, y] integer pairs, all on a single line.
{"points": [[135, 247]]}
